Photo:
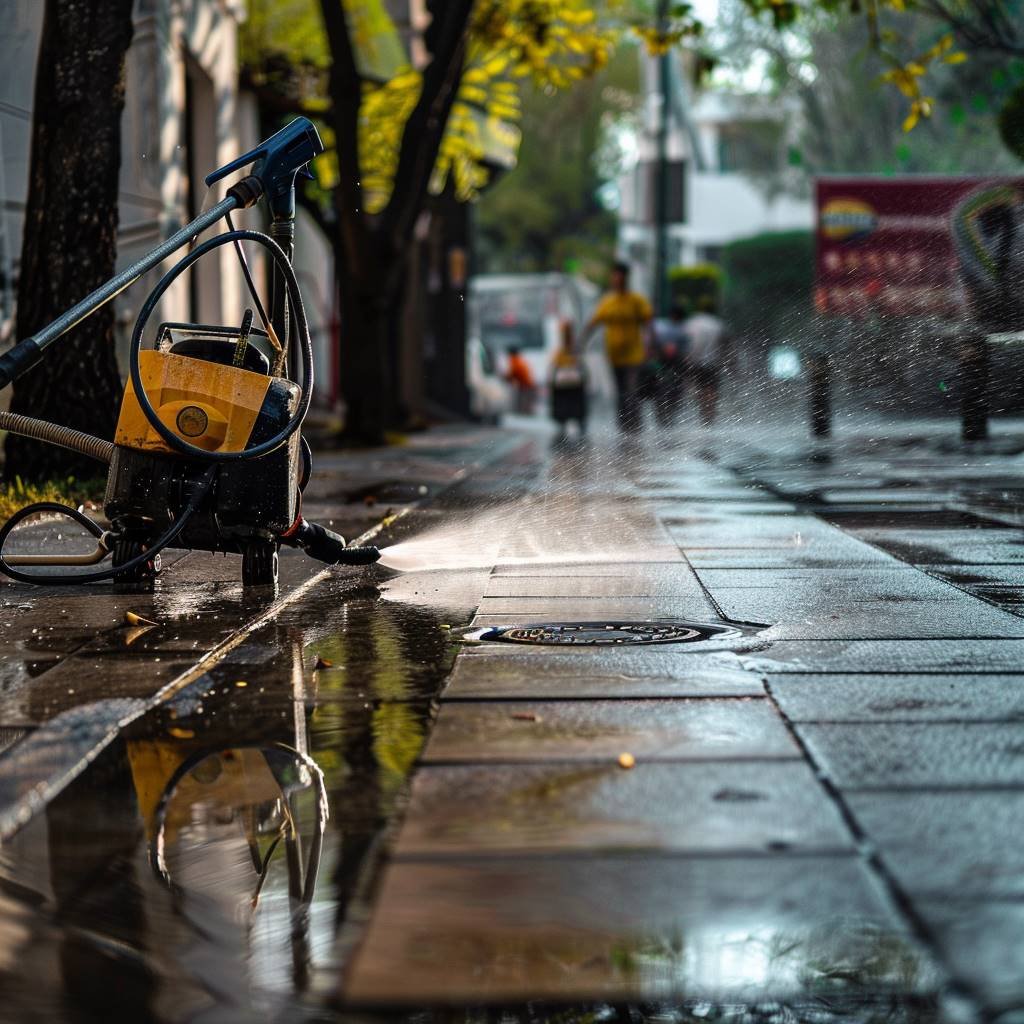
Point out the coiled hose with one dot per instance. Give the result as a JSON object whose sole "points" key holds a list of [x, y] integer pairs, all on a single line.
{"points": [[53, 433]]}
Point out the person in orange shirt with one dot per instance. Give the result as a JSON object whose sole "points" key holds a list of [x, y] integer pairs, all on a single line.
{"points": [[624, 315], [520, 377]]}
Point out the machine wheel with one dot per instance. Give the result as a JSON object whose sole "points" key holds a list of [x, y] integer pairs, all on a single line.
{"points": [[127, 548], [259, 564], [305, 463]]}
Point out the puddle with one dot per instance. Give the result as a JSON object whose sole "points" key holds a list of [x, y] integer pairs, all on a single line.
{"points": [[202, 864]]}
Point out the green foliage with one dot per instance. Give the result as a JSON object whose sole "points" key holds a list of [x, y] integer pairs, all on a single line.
{"points": [[547, 213], [768, 283], [696, 287], [70, 491]]}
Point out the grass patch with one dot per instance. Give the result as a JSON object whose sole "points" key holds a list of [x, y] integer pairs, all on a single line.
{"points": [[70, 491]]}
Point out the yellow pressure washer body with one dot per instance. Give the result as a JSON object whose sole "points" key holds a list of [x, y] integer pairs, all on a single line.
{"points": [[208, 402]]}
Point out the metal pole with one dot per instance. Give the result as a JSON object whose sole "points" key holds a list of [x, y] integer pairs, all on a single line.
{"points": [[661, 291], [27, 353]]}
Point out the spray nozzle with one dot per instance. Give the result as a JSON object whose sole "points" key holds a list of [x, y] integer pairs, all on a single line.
{"points": [[279, 160]]}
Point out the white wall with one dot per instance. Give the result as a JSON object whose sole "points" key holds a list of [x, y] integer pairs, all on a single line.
{"points": [[168, 34]]}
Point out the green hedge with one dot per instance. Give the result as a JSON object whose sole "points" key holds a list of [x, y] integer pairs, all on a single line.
{"points": [[696, 287], [768, 284]]}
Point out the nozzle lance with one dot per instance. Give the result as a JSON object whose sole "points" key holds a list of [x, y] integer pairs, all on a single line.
{"points": [[327, 546]]}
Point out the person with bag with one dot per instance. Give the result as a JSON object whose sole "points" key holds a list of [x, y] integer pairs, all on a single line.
{"points": [[568, 384]]}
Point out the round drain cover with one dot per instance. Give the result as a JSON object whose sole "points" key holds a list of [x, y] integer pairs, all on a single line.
{"points": [[604, 633]]}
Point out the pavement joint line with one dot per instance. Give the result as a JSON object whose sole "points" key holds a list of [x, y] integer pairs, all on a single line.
{"points": [[897, 895], [604, 853], [680, 698], [1006, 720], [940, 787], [16, 814], [596, 759]]}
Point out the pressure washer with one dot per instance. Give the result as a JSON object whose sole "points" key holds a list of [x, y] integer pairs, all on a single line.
{"points": [[208, 452]]}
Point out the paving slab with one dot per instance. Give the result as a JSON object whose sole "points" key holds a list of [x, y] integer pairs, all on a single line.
{"points": [[752, 531], [968, 655], [803, 617], [835, 554], [950, 547], [670, 569], [983, 943], [960, 844], [680, 584], [633, 673], [933, 754], [972, 575], [881, 698], [729, 929], [883, 584], [520, 731], [682, 511], [593, 609], [558, 808]]}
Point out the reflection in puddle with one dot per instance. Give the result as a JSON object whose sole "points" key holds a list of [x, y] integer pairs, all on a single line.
{"points": [[194, 871]]}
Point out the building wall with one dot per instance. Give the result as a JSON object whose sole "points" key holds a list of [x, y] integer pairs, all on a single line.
{"points": [[180, 49], [719, 205]]}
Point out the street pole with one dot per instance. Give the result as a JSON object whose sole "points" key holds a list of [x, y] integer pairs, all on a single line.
{"points": [[661, 290]]}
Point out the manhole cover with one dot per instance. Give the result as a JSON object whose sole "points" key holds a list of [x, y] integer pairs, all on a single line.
{"points": [[584, 634]]}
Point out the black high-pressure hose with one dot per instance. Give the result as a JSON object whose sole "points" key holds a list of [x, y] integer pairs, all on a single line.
{"points": [[200, 491], [305, 348]]}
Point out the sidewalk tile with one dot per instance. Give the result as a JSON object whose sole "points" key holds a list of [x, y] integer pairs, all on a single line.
{"points": [[947, 655], [693, 808], [963, 843], [880, 698], [600, 673], [734, 929], [923, 754], [598, 730], [984, 945]]}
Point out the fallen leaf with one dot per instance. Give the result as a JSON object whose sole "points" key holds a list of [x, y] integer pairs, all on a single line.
{"points": [[627, 761], [181, 734], [131, 619]]}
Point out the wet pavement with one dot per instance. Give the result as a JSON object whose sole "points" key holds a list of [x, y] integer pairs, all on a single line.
{"points": [[329, 803]]}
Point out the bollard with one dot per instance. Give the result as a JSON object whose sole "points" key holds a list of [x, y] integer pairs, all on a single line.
{"points": [[819, 383], [974, 407]]}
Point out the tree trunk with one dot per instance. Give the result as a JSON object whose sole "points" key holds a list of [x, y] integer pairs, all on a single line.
{"points": [[70, 239], [367, 315]]}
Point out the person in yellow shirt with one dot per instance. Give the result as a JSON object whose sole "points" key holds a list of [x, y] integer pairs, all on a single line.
{"points": [[624, 316]]}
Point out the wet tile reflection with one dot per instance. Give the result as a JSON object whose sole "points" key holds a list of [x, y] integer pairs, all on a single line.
{"points": [[202, 863]]}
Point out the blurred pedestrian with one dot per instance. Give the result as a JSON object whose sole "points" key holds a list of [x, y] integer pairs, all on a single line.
{"points": [[568, 384], [520, 377], [666, 363], [624, 315], [705, 356]]}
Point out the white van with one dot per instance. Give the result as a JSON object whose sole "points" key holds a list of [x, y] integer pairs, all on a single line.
{"points": [[525, 311]]}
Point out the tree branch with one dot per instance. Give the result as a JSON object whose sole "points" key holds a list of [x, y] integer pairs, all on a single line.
{"points": [[346, 89], [424, 131]]}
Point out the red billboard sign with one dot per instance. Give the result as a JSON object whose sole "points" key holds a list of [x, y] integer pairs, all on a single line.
{"points": [[891, 245]]}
